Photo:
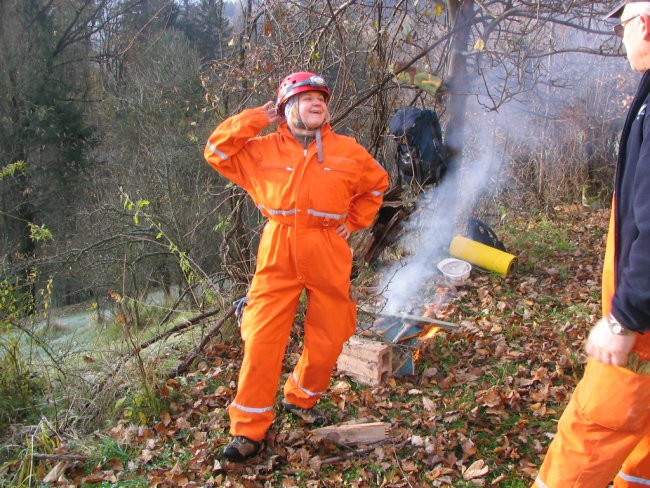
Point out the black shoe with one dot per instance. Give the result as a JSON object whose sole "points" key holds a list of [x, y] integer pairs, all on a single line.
{"points": [[311, 416], [241, 448]]}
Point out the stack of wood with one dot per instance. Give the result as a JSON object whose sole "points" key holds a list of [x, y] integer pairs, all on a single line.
{"points": [[366, 361]]}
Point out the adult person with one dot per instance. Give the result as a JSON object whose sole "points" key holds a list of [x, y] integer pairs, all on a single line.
{"points": [[604, 433], [316, 187]]}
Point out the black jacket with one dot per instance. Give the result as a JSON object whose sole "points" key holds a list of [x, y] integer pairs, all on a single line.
{"points": [[631, 301]]}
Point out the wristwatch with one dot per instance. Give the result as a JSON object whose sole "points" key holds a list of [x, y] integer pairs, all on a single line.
{"points": [[616, 327]]}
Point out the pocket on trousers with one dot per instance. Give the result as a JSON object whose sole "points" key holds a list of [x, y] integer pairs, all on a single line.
{"points": [[613, 397]]}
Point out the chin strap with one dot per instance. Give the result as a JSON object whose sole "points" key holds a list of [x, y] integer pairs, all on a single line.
{"points": [[319, 145]]}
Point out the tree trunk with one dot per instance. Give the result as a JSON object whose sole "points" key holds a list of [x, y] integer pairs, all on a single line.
{"points": [[461, 13]]}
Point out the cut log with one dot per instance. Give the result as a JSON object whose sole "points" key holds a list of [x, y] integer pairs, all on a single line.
{"points": [[366, 361], [367, 433]]}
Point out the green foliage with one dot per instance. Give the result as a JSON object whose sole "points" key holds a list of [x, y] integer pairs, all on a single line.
{"points": [[190, 272], [224, 223], [140, 406], [128, 483], [110, 448], [39, 233], [41, 440], [20, 387], [543, 240], [12, 168]]}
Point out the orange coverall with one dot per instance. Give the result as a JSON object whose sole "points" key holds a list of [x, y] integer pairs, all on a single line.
{"points": [[304, 200], [604, 433]]}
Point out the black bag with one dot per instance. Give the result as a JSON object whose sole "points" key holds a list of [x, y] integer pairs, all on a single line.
{"points": [[479, 231], [421, 155]]}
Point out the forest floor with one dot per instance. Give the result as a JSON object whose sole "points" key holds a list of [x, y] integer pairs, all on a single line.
{"points": [[480, 409]]}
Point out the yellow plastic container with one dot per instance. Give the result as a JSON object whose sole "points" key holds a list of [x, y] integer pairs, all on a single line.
{"points": [[481, 255]]}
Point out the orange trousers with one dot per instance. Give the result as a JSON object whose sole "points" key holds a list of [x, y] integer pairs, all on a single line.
{"points": [[290, 260], [604, 433]]}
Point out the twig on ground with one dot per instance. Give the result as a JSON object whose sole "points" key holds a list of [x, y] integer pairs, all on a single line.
{"points": [[359, 452], [185, 364], [119, 362], [60, 457]]}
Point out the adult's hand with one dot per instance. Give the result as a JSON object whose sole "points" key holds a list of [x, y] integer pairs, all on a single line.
{"points": [[607, 347], [271, 113], [343, 231]]}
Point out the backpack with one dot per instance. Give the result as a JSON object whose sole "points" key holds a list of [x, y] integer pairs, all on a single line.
{"points": [[479, 231], [421, 155]]}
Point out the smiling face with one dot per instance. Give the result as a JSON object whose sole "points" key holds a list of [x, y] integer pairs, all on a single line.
{"points": [[312, 109]]}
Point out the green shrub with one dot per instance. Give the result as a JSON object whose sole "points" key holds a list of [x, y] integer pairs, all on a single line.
{"points": [[20, 387]]}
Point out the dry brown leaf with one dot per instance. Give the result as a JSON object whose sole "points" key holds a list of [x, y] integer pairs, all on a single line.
{"points": [[428, 404], [147, 455], [417, 441], [469, 449], [56, 473], [476, 470], [182, 423], [165, 418]]}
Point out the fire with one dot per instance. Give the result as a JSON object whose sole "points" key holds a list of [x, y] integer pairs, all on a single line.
{"points": [[431, 333]]}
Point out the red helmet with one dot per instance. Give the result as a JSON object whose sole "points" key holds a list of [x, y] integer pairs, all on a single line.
{"points": [[299, 82]]}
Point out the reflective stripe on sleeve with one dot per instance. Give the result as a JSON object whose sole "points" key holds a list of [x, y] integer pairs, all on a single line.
{"points": [[634, 479], [376, 193], [273, 211], [216, 151], [305, 390], [316, 213], [251, 409]]}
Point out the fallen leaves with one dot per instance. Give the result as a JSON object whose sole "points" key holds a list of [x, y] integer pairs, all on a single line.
{"points": [[477, 469], [481, 409]]}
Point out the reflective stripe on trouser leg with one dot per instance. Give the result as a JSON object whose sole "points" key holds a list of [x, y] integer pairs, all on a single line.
{"points": [[538, 484], [636, 468], [600, 427], [330, 321], [266, 325]]}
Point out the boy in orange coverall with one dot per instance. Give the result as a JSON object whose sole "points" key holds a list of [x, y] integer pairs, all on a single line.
{"points": [[316, 188], [604, 433]]}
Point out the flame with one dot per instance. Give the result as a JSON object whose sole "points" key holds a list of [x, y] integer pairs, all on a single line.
{"points": [[429, 334]]}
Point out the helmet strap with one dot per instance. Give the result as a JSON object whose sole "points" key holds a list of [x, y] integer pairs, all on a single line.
{"points": [[298, 128], [295, 123], [319, 145]]}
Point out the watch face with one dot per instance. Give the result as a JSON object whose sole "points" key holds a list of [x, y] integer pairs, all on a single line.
{"points": [[618, 329]]}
